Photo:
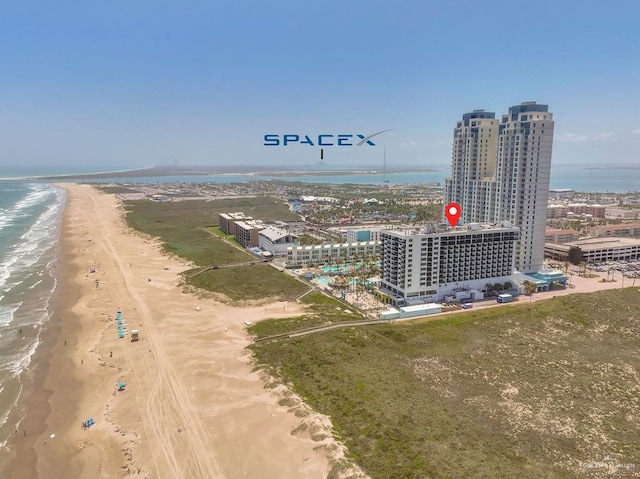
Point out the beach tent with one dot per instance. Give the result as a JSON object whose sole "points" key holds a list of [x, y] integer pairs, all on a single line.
{"points": [[88, 423], [121, 386]]}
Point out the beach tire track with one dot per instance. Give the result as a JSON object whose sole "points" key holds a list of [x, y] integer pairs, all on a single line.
{"points": [[189, 455]]}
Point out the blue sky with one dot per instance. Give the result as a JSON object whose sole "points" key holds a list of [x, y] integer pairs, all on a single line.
{"points": [[106, 85]]}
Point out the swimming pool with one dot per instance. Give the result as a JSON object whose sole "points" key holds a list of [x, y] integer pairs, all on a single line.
{"points": [[323, 281]]}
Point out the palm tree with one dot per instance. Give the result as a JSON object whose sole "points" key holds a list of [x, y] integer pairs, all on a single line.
{"points": [[529, 287]]}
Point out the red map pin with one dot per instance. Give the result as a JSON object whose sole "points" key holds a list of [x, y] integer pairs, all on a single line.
{"points": [[452, 212]]}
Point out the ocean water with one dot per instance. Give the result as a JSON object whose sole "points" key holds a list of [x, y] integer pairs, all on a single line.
{"points": [[30, 217], [579, 178]]}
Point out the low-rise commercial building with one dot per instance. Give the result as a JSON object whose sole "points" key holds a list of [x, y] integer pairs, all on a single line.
{"points": [[623, 213], [553, 235], [628, 230], [594, 250]]}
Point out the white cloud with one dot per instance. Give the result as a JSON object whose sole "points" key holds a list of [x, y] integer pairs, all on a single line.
{"points": [[636, 131], [605, 136], [408, 144], [572, 137], [438, 144], [575, 138]]}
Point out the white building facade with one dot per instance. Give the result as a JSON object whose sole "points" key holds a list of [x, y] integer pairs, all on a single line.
{"points": [[320, 254], [425, 267], [276, 241]]}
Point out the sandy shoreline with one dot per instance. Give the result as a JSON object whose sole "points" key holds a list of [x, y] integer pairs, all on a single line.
{"points": [[193, 406]]}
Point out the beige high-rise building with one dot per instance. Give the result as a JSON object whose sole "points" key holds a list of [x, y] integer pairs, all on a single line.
{"points": [[472, 182], [500, 172], [522, 178]]}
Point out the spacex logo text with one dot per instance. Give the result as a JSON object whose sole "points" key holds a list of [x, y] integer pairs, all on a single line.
{"points": [[344, 139]]}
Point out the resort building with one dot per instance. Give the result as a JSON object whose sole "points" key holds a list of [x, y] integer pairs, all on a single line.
{"points": [[320, 254], [246, 232], [427, 267], [227, 221], [595, 211], [553, 235], [276, 241], [594, 250], [556, 212], [628, 230], [500, 172]]}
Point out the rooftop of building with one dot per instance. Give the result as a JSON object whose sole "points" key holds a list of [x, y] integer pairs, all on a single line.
{"points": [[591, 244], [250, 224], [235, 216], [446, 230], [617, 227], [553, 231], [335, 245], [273, 233]]}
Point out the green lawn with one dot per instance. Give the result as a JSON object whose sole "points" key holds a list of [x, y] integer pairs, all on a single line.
{"points": [[530, 391]]}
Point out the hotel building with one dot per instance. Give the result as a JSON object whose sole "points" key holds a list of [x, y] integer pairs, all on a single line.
{"points": [[425, 267]]}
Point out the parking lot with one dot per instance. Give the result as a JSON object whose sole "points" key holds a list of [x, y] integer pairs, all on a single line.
{"points": [[630, 268]]}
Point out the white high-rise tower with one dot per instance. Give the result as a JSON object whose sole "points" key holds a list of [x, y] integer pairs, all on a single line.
{"points": [[500, 172], [522, 178]]}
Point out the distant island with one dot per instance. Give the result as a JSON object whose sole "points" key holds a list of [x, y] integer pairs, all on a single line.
{"points": [[161, 171]]}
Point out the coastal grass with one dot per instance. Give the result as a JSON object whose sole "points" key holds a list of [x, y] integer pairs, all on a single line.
{"points": [[216, 231], [321, 310], [186, 229], [249, 283], [265, 208], [116, 189], [545, 389]]}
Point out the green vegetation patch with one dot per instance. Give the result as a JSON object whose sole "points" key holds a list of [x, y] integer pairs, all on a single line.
{"points": [[116, 189], [180, 226], [322, 310], [251, 282], [265, 208], [184, 227], [216, 231], [545, 389]]}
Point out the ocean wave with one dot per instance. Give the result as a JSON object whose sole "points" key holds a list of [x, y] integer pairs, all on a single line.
{"points": [[39, 238], [39, 194], [7, 311]]}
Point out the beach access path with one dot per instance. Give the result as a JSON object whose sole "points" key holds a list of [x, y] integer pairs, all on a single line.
{"points": [[193, 406]]}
